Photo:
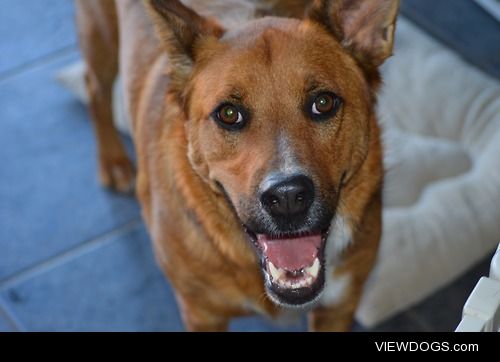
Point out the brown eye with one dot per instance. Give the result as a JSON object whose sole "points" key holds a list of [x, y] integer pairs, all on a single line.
{"points": [[230, 117], [323, 104]]}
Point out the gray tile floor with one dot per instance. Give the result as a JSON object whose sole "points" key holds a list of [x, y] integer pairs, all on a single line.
{"points": [[5, 324], [75, 257]]}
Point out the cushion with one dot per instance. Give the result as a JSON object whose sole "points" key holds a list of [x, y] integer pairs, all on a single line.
{"points": [[442, 134]]}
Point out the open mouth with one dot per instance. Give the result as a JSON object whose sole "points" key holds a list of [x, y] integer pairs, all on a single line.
{"points": [[293, 266]]}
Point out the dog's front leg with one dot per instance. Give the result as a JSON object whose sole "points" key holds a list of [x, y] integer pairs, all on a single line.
{"points": [[197, 317], [338, 318], [98, 35]]}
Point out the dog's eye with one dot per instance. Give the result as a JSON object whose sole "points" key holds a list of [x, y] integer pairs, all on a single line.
{"points": [[324, 106], [230, 117]]}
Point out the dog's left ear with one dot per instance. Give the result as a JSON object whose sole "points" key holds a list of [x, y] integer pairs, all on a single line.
{"points": [[180, 29], [364, 27]]}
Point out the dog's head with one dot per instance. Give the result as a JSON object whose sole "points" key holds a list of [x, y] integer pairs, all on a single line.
{"points": [[279, 116]]}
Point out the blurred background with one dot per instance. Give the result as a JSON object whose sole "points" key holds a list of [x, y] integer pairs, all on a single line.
{"points": [[75, 257]]}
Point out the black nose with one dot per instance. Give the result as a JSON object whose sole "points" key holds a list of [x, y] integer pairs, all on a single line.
{"points": [[288, 197]]}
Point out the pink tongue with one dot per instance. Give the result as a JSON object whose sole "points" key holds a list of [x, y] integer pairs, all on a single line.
{"points": [[291, 254]]}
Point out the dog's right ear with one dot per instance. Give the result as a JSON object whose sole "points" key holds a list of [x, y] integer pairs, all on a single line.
{"points": [[365, 28], [180, 30]]}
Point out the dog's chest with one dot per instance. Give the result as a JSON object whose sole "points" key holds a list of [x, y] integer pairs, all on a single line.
{"points": [[336, 286]]}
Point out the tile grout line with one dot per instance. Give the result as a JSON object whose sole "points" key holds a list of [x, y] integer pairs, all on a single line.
{"points": [[33, 64], [68, 255], [12, 320]]}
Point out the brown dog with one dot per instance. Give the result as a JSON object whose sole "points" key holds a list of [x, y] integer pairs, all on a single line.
{"points": [[259, 155]]}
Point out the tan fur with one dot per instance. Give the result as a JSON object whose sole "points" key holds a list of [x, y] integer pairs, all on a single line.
{"points": [[197, 235]]}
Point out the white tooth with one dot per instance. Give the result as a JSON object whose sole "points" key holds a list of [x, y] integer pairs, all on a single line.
{"points": [[276, 273], [313, 269]]}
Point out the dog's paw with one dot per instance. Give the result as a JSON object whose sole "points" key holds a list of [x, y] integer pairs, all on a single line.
{"points": [[118, 174]]}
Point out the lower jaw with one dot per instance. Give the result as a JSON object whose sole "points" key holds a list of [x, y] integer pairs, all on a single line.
{"points": [[296, 296], [300, 298]]}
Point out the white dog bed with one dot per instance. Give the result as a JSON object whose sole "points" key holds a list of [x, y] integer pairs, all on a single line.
{"points": [[442, 196]]}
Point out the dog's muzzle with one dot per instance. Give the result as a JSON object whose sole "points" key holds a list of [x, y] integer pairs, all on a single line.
{"points": [[290, 233]]}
